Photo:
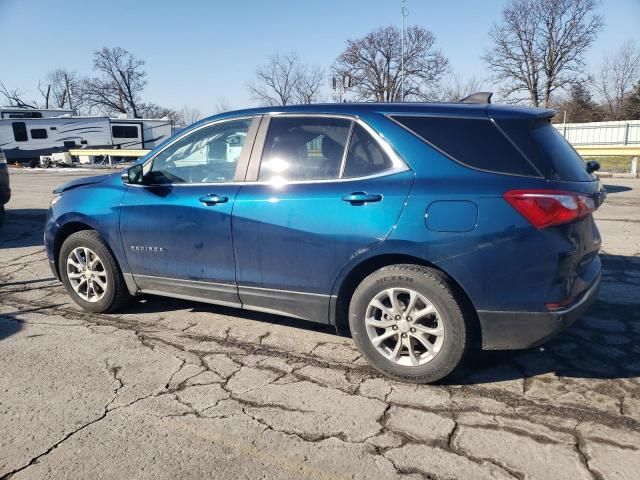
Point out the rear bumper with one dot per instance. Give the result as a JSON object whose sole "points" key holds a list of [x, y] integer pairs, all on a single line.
{"points": [[516, 330]]}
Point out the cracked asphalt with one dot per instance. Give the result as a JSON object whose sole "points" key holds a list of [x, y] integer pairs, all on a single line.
{"points": [[174, 389]]}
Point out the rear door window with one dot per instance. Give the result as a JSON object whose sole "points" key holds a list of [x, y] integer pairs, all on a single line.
{"points": [[547, 149], [475, 142], [304, 148]]}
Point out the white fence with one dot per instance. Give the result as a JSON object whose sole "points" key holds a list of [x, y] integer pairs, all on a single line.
{"points": [[601, 133]]}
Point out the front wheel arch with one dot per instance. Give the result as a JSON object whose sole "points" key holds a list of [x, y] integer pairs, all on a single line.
{"points": [[62, 234]]}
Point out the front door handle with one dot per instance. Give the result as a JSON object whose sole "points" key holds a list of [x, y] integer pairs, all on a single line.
{"points": [[213, 199], [360, 198]]}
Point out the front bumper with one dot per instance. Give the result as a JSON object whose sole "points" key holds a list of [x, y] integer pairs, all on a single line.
{"points": [[516, 330], [54, 270]]}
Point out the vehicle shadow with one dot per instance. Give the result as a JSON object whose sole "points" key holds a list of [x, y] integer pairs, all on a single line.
{"points": [[156, 304], [603, 344], [616, 188], [23, 227], [9, 325]]}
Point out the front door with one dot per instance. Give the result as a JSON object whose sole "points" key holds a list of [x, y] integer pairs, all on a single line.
{"points": [[326, 193], [176, 226]]}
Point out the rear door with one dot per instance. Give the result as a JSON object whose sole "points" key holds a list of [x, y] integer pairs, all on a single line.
{"points": [[176, 227], [325, 190]]}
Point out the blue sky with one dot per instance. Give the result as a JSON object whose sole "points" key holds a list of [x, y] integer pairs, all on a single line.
{"points": [[199, 52]]}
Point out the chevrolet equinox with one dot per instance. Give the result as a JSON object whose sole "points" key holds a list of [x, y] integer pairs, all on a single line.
{"points": [[416, 228]]}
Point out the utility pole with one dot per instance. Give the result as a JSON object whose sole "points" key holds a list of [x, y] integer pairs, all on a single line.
{"points": [[340, 85], [405, 11]]}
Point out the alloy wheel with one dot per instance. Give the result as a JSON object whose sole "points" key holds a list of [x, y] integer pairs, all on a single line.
{"points": [[86, 274], [404, 326]]}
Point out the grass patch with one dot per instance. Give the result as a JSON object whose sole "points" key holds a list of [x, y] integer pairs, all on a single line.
{"points": [[613, 164]]}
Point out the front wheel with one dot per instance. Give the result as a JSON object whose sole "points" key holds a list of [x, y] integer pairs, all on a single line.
{"points": [[407, 321], [90, 273]]}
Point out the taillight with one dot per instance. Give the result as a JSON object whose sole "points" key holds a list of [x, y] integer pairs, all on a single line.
{"points": [[545, 208]]}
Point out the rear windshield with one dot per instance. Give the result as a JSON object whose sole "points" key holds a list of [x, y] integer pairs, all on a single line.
{"points": [[547, 149], [475, 142]]}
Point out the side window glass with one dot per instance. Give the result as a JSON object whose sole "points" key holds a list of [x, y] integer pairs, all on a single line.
{"points": [[19, 131], [365, 156], [304, 148], [475, 142], [208, 155]]}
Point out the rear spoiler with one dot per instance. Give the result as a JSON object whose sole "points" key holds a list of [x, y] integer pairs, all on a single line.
{"points": [[478, 97]]}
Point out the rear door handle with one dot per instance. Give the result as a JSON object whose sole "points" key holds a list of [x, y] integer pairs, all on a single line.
{"points": [[359, 198], [213, 199]]}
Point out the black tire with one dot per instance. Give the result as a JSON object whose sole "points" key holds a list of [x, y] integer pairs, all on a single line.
{"points": [[435, 287], [116, 294]]}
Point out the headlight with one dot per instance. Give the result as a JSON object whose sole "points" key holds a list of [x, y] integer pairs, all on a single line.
{"points": [[55, 199]]}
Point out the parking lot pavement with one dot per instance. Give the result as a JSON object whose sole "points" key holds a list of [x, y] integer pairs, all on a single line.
{"points": [[174, 389]]}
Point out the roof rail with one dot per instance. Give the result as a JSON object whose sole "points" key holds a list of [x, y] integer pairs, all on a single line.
{"points": [[478, 97]]}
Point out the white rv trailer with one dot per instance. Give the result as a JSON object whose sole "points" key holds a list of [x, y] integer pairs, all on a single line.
{"points": [[21, 112], [26, 139]]}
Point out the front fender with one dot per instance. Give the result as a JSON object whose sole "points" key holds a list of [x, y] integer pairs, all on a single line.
{"points": [[96, 207]]}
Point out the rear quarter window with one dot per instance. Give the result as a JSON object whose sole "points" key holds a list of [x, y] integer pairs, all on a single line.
{"points": [[547, 149], [475, 142]]}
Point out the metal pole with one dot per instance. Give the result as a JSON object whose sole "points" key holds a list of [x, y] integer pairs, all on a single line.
{"points": [[404, 12], [626, 133]]}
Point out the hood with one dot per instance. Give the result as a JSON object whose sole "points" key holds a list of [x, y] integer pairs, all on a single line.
{"points": [[80, 182]]}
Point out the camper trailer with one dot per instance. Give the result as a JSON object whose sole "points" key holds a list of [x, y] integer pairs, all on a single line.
{"points": [[26, 138], [20, 112]]}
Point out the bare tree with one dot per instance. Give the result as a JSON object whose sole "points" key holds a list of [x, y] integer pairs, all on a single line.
{"points": [[60, 89], [153, 110], [189, 115], [456, 88], [539, 46], [284, 80], [632, 104], [119, 84], [15, 98], [577, 107], [45, 92], [374, 63], [308, 87], [221, 106], [616, 78]]}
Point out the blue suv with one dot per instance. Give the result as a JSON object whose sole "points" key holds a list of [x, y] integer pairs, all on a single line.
{"points": [[417, 228]]}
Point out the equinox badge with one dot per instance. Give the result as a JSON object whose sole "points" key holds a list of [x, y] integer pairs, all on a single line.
{"points": [[142, 248]]}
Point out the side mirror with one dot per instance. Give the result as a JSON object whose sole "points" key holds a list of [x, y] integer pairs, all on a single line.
{"points": [[592, 166], [132, 175]]}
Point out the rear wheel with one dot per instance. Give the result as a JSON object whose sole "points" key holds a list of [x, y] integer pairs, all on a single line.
{"points": [[90, 273], [407, 321]]}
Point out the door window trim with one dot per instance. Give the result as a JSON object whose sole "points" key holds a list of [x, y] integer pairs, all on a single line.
{"points": [[398, 164], [249, 162]]}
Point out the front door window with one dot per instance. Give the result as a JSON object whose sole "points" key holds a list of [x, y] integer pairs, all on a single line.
{"points": [[208, 155]]}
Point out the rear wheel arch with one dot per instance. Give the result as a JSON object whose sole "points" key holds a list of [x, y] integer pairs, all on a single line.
{"points": [[340, 308]]}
